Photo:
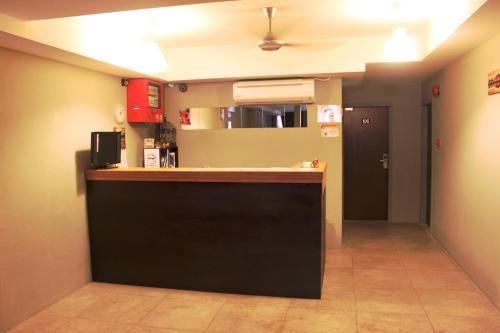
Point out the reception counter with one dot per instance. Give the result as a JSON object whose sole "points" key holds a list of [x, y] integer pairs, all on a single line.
{"points": [[256, 231]]}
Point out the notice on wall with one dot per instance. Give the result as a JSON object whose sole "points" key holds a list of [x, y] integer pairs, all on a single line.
{"points": [[494, 82], [184, 117], [329, 131], [329, 114]]}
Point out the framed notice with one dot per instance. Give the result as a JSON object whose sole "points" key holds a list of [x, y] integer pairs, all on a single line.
{"points": [[329, 114], [151, 157], [329, 131], [494, 82]]}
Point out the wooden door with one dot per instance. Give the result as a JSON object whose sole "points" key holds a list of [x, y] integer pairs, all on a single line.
{"points": [[366, 143]]}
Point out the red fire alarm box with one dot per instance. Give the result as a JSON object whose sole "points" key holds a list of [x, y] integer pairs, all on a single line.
{"points": [[144, 101]]}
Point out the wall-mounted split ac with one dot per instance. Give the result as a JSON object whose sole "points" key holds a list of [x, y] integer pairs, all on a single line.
{"points": [[274, 92]]}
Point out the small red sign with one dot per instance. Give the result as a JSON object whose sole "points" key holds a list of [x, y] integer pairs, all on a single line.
{"points": [[435, 90]]}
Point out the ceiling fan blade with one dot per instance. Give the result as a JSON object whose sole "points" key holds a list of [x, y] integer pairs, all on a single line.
{"points": [[315, 46]]}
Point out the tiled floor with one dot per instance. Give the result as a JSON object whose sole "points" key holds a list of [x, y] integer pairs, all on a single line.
{"points": [[386, 278]]}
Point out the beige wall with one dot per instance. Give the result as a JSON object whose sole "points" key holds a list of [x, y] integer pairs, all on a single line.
{"points": [[404, 102], [47, 113], [466, 169], [263, 147]]}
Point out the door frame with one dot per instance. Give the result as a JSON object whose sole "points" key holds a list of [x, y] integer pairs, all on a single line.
{"points": [[389, 144], [426, 182]]}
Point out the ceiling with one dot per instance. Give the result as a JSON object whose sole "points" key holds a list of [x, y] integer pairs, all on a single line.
{"points": [[214, 40], [232, 22], [37, 10]]}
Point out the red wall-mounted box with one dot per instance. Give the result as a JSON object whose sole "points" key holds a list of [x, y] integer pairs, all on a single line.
{"points": [[144, 101]]}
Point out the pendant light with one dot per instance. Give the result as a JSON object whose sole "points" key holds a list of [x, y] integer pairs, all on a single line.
{"points": [[400, 46]]}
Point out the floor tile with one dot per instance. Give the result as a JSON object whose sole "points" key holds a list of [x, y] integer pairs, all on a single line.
{"points": [[337, 278], [360, 227], [345, 245], [373, 243], [77, 325], [408, 231], [416, 244], [193, 315], [388, 273], [425, 279], [112, 289], [319, 321], [147, 329], [430, 260], [449, 324], [378, 251], [257, 300], [41, 323], [391, 301], [341, 250], [456, 303], [73, 304], [367, 260], [338, 259], [189, 296], [410, 236], [369, 322], [336, 299], [233, 317], [381, 279], [125, 309], [368, 232]]}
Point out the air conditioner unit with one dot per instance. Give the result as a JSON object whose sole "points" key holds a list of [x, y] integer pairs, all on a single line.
{"points": [[274, 91]]}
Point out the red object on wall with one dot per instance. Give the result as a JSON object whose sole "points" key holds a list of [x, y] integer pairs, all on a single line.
{"points": [[438, 142], [144, 101], [435, 90], [185, 117]]}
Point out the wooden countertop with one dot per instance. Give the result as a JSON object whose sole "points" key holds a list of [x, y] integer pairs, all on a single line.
{"points": [[294, 174]]}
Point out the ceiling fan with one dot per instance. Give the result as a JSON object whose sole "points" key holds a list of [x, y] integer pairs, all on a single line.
{"points": [[270, 43]]}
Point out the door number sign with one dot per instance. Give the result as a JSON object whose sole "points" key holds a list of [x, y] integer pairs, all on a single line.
{"points": [[365, 121]]}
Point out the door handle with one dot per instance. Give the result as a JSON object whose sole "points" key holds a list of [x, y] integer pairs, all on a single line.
{"points": [[385, 161]]}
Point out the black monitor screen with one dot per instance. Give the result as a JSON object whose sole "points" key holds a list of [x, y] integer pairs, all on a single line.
{"points": [[105, 149]]}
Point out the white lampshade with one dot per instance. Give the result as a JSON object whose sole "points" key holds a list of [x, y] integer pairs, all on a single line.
{"points": [[400, 47]]}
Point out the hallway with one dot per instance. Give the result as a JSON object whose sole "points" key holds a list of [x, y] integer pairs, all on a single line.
{"points": [[386, 278]]}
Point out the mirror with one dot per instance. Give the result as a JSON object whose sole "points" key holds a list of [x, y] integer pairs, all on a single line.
{"points": [[249, 116]]}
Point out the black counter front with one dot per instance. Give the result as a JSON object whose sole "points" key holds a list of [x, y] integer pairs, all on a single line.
{"points": [[258, 238]]}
